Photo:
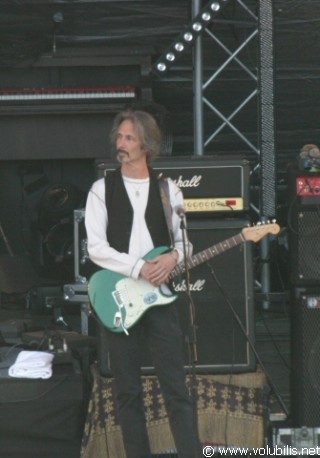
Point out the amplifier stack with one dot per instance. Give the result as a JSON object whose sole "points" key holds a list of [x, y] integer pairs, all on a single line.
{"points": [[216, 194], [304, 248]]}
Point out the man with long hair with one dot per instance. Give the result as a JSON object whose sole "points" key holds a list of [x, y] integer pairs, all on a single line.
{"points": [[125, 219]]}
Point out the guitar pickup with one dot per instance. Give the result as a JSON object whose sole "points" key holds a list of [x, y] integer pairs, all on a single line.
{"points": [[118, 299]]}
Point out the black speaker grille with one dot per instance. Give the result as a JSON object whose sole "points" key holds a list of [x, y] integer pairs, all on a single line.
{"points": [[221, 345], [304, 246], [313, 363], [311, 369], [309, 247], [306, 357]]}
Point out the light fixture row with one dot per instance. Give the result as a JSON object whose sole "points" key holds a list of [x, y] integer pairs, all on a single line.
{"points": [[187, 37]]}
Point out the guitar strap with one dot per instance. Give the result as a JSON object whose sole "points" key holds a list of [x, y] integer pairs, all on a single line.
{"points": [[165, 198]]}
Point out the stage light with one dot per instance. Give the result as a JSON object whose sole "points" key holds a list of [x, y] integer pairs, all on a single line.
{"points": [[197, 26], [187, 37], [206, 16], [215, 6], [170, 56], [179, 46], [58, 18], [161, 67]]}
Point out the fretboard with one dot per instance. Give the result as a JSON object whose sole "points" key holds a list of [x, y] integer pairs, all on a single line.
{"points": [[208, 254]]}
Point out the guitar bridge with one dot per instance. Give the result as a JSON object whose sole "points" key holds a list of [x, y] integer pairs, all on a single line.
{"points": [[118, 317], [117, 320]]}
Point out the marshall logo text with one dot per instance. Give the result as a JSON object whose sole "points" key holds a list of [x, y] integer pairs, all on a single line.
{"points": [[198, 285], [193, 182]]}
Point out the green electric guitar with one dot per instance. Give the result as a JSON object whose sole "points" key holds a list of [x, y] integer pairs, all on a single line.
{"points": [[120, 301]]}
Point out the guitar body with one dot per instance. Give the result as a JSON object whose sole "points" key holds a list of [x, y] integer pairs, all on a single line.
{"points": [[120, 301]]}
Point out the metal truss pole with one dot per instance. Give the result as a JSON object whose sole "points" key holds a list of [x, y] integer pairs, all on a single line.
{"points": [[266, 89], [197, 89], [266, 140]]}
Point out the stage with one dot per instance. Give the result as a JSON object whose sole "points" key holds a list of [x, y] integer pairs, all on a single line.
{"points": [[74, 414]]}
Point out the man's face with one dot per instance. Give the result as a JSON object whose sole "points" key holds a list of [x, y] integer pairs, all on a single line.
{"points": [[128, 144]]}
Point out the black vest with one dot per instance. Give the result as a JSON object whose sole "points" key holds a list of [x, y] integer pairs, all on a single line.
{"points": [[120, 213]]}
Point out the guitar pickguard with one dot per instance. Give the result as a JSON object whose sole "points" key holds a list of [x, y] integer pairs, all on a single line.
{"points": [[137, 296]]}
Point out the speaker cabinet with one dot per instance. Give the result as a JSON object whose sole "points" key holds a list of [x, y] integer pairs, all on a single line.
{"points": [[221, 345], [304, 233], [305, 356]]}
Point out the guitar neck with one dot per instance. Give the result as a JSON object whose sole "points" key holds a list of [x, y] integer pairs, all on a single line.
{"points": [[208, 254]]}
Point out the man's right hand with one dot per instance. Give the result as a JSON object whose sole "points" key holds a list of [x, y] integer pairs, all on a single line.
{"points": [[157, 271]]}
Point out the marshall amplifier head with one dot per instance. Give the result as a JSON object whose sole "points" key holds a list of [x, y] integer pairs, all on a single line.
{"points": [[209, 184]]}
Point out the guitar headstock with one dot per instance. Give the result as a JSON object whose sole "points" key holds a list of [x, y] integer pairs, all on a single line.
{"points": [[260, 230]]}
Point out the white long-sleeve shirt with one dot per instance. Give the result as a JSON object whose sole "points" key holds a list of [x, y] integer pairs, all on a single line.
{"points": [[96, 220]]}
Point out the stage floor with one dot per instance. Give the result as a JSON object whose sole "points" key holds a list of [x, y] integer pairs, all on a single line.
{"points": [[272, 342]]}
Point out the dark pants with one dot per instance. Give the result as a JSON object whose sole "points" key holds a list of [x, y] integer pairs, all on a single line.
{"points": [[163, 337]]}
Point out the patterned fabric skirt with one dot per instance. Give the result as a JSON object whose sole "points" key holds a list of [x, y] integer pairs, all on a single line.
{"points": [[232, 411]]}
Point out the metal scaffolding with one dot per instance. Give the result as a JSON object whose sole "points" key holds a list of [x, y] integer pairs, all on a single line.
{"points": [[263, 91], [256, 18]]}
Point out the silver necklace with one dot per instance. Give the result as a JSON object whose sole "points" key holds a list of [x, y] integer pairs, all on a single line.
{"points": [[137, 187], [137, 191]]}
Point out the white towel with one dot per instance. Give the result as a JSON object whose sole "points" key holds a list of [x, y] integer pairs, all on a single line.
{"points": [[32, 364]]}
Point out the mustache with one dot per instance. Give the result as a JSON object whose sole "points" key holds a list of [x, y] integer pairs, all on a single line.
{"points": [[120, 150]]}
